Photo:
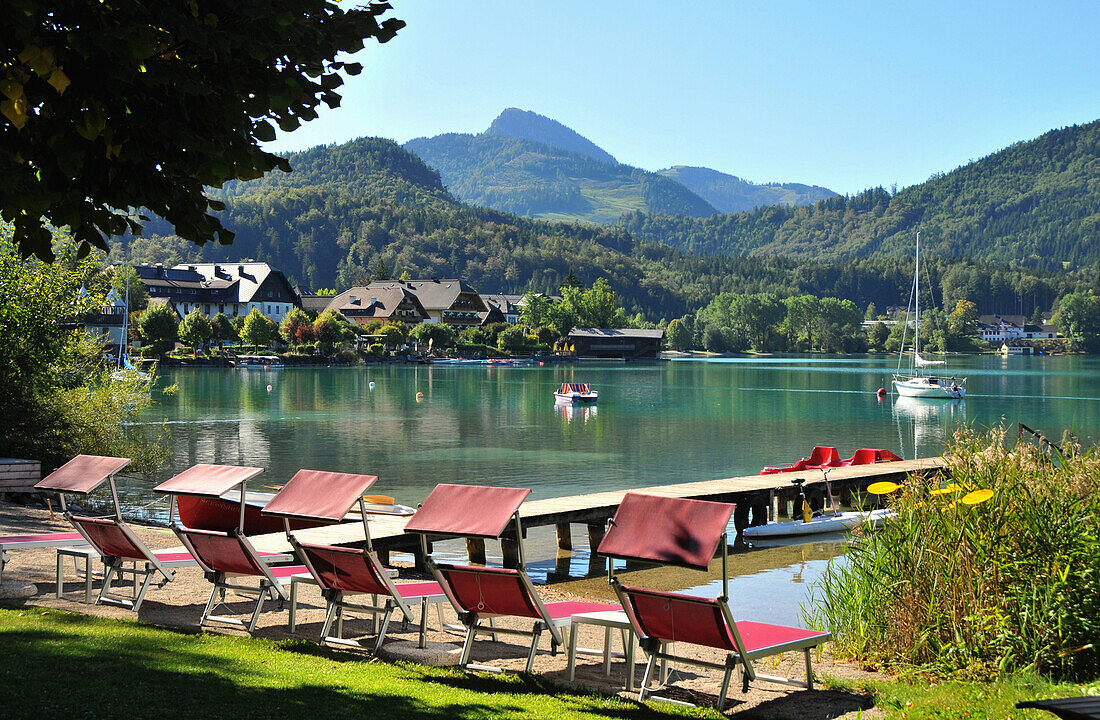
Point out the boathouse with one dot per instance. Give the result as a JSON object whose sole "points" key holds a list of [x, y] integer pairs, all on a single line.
{"points": [[616, 343]]}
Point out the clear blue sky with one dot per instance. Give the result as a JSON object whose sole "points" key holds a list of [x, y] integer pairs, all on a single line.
{"points": [[848, 95]]}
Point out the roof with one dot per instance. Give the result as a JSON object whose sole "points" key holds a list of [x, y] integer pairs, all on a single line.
{"points": [[434, 294], [505, 303], [249, 275], [372, 301], [657, 334], [315, 303]]}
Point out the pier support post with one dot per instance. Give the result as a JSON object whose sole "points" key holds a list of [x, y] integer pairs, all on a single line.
{"points": [[596, 532], [741, 517], [509, 550], [759, 512], [475, 550], [565, 540], [773, 506], [420, 560], [383, 557]]}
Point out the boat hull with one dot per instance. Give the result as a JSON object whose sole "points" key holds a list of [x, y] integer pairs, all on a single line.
{"points": [[820, 525], [206, 513], [924, 387]]}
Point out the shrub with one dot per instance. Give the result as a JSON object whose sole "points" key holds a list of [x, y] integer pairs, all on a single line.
{"points": [[378, 350], [999, 573]]}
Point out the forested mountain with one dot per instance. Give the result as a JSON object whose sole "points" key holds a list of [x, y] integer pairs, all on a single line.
{"points": [[345, 207], [527, 125], [1035, 203], [731, 194], [534, 179]]}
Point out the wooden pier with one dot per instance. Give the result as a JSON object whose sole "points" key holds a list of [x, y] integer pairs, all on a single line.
{"points": [[759, 499]]}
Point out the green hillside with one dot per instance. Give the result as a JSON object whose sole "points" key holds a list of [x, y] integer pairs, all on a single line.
{"points": [[348, 206], [1035, 203], [731, 194], [536, 180]]}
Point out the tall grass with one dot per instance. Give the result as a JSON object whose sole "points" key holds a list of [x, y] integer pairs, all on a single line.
{"points": [[999, 573]]}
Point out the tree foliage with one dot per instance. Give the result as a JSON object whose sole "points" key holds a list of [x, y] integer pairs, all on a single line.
{"points": [[1078, 317], [58, 399], [195, 329], [258, 329], [159, 325], [112, 106]]}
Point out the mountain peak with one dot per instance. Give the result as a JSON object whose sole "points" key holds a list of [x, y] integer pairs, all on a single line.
{"points": [[527, 125]]}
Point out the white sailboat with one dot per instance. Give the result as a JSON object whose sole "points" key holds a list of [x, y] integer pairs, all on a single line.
{"points": [[124, 369], [915, 383]]}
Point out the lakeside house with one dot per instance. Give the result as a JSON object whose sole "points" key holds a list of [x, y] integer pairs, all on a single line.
{"points": [[611, 343], [445, 300], [106, 323], [366, 304], [212, 288], [1004, 328]]}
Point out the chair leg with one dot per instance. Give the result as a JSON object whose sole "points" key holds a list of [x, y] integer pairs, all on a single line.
{"points": [[209, 605], [329, 615], [383, 626], [809, 671], [645, 677], [725, 685], [571, 653], [467, 646], [108, 577], [422, 638], [536, 632], [140, 598], [261, 596], [87, 578]]}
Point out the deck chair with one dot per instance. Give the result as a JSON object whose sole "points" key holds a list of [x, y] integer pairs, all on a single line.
{"points": [[479, 593], [340, 572], [111, 537], [225, 556], [678, 531]]}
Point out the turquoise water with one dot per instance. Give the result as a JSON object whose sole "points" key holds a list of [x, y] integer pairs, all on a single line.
{"points": [[656, 423]]}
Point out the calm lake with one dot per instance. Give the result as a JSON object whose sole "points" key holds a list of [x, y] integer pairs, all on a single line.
{"points": [[655, 424]]}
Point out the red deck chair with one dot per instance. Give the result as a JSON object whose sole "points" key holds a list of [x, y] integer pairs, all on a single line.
{"points": [[677, 531], [314, 495], [480, 593], [227, 555], [111, 537]]}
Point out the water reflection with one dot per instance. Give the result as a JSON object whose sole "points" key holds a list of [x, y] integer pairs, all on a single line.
{"points": [[924, 426], [576, 413]]}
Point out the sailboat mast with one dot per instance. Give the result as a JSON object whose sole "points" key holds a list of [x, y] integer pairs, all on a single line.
{"points": [[123, 340], [916, 333]]}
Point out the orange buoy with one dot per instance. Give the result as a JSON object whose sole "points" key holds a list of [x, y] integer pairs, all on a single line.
{"points": [[881, 392]]}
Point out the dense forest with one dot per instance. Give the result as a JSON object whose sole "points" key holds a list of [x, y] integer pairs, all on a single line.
{"points": [[1035, 203], [731, 194], [346, 207]]}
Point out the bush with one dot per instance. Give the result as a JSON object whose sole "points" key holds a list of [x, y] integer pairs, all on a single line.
{"points": [[377, 349], [998, 574]]}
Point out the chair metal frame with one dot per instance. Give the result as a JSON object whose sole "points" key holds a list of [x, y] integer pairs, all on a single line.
{"points": [[36, 540], [145, 563], [472, 619], [335, 597], [737, 658], [215, 571]]}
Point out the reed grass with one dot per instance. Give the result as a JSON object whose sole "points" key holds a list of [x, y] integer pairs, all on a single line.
{"points": [[991, 568]]}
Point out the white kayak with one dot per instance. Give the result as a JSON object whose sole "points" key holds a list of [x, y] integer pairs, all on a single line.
{"points": [[821, 524]]}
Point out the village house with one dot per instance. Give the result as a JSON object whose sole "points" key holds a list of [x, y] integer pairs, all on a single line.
{"points": [[212, 288], [366, 304], [1004, 328], [445, 301]]}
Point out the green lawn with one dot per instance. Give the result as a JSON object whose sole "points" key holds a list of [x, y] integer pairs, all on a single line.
{"points": [[917, 698], [63, 665]]}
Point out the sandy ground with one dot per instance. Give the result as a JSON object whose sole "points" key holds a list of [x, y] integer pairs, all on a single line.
{"points": [[179, 604]]}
